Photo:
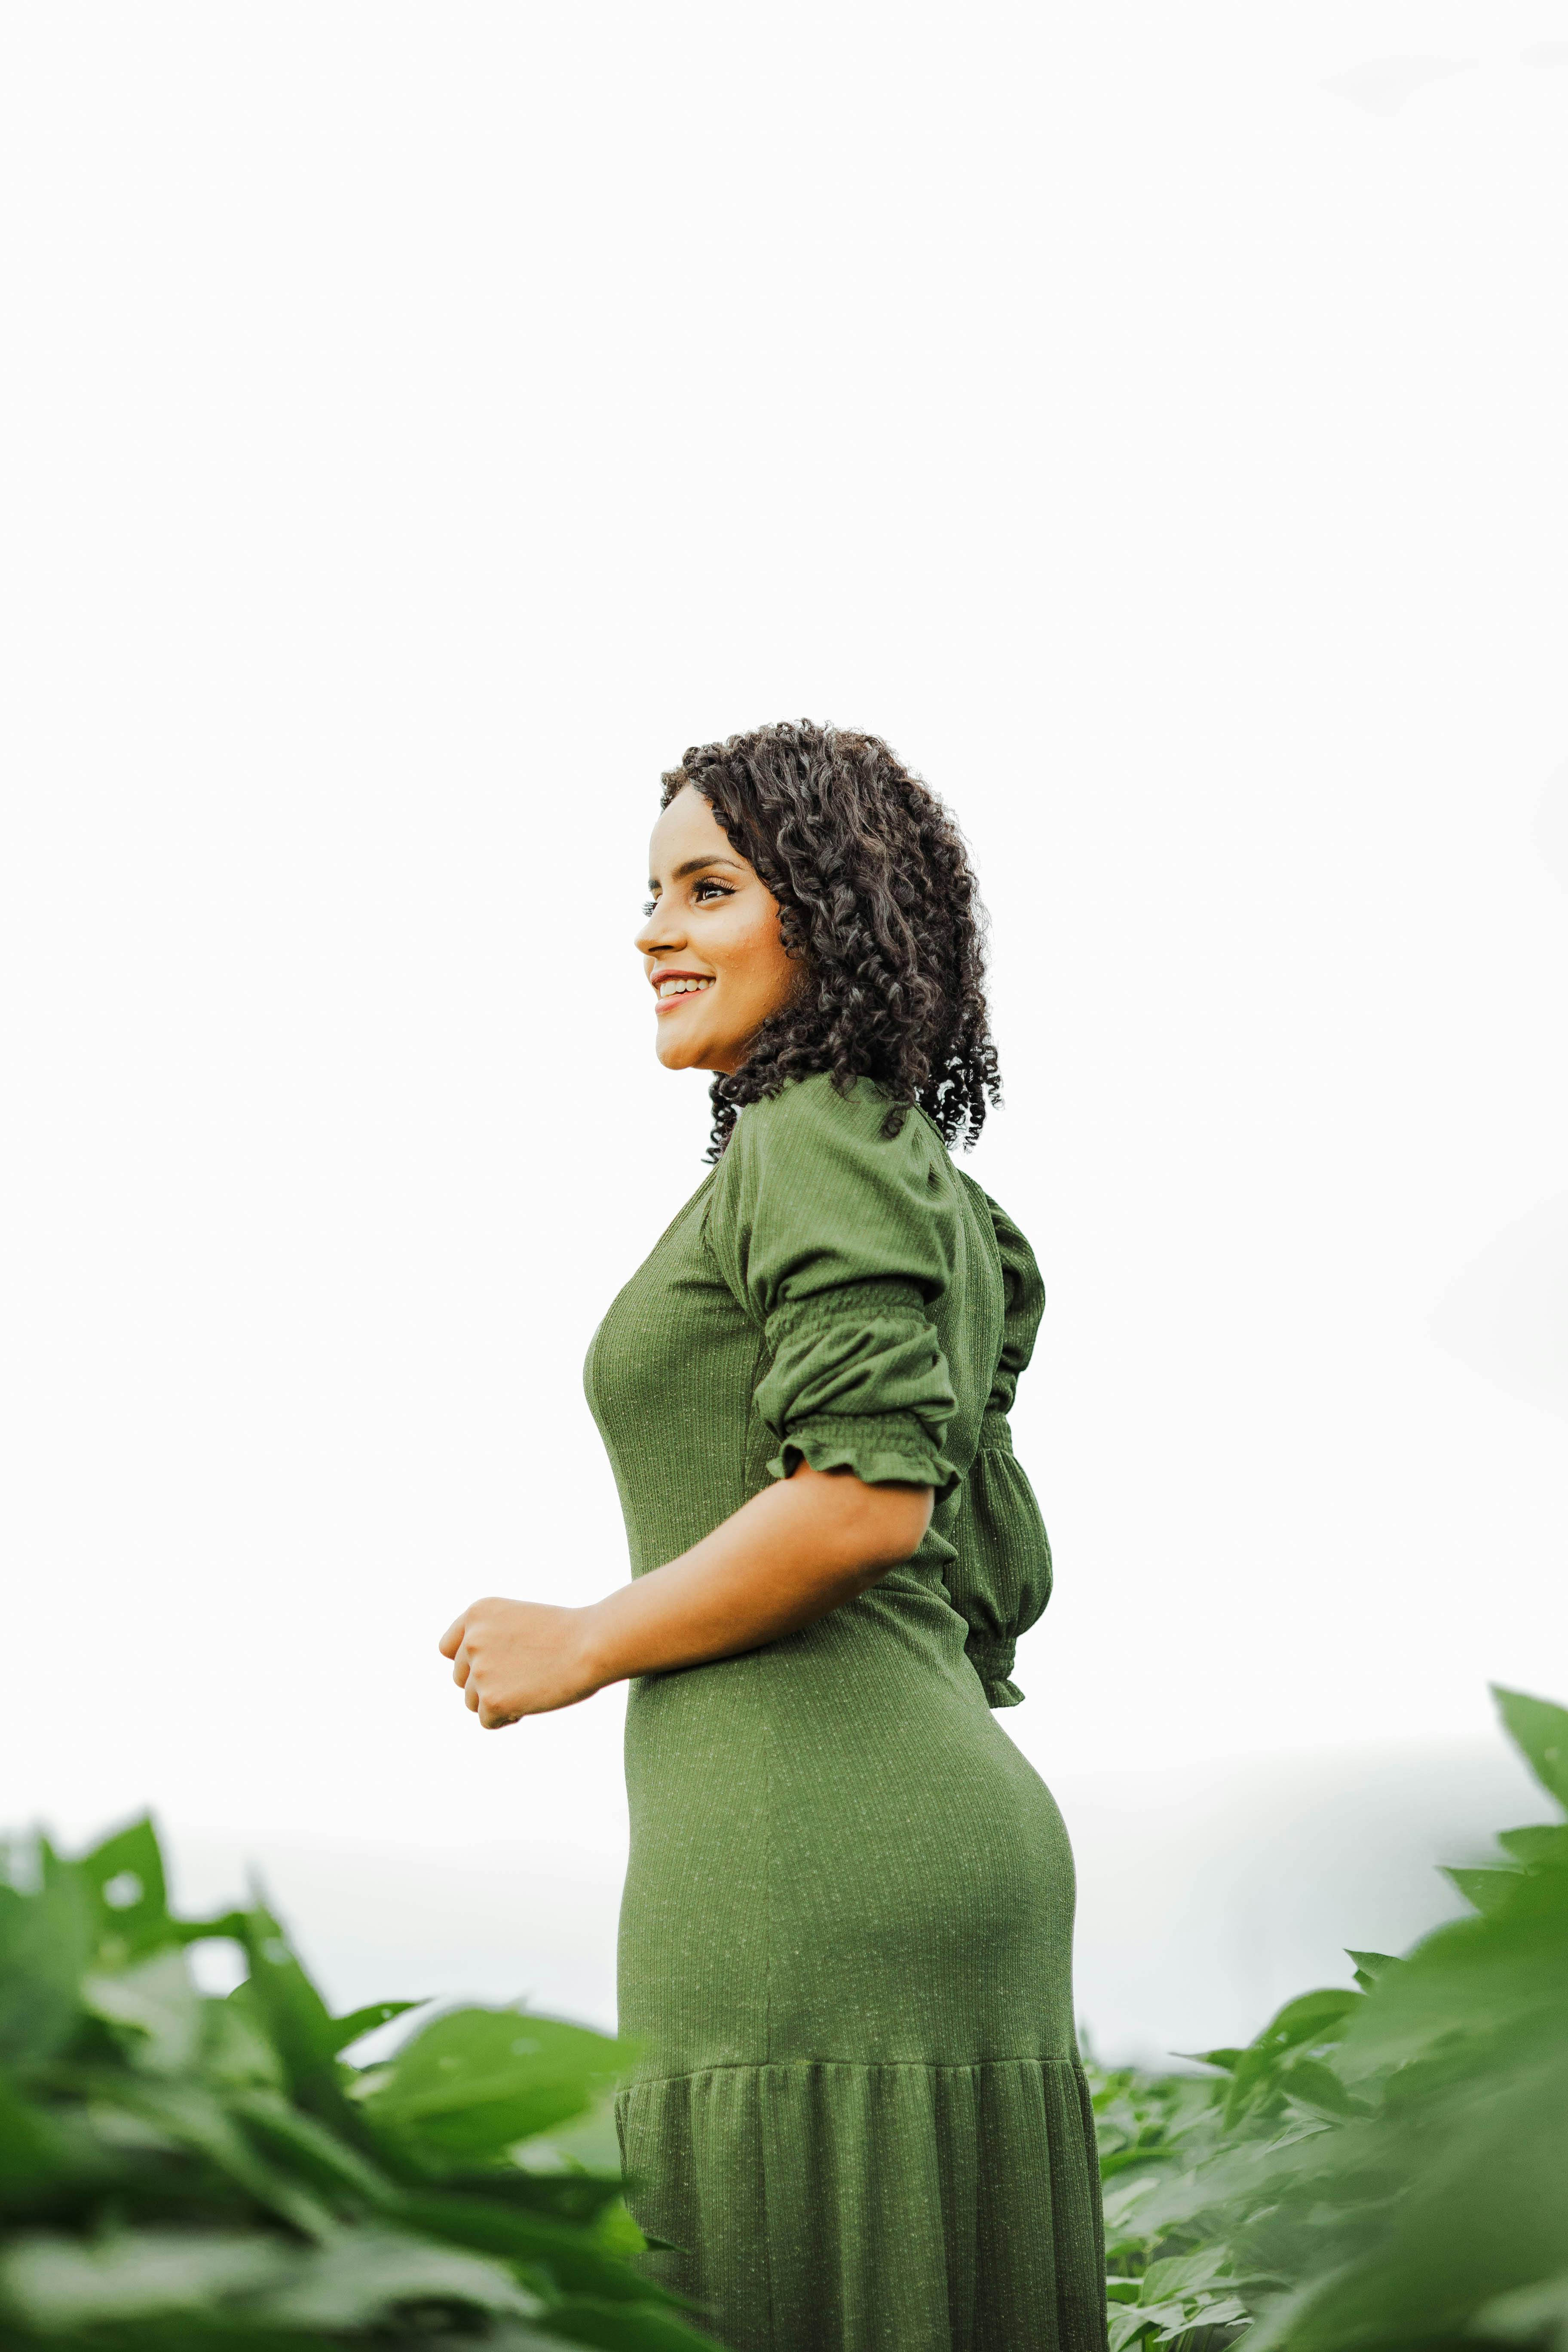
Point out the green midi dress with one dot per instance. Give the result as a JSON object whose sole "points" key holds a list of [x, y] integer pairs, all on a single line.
{"points": [[857, 2113]]}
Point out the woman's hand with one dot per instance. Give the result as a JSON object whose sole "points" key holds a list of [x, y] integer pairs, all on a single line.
{"points": [[512, 1658], [794, 1553]]}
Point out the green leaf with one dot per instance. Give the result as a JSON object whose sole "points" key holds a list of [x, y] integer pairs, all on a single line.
{"points": [[1125, 2158], [476, 2081], [367, 2276], [36, 2148], [56, 2282], [1311, 2017], [236, 2048], [1224, 2313], [124, 1877], [1466, 1981], [1484, 1890], [1126, 2325], [227, 1926], [618, 2233], [1477, 2166], [328, 2163], [187, 2113], [44, 1940], [1184, 2275], [1316, 2086], [1369, 1966], [157, 2001], [1226, 2059], [1540, 1731], [1134, 2318], [1526, 2314], [295, 2018], [576, 2261], [1542, 1845], [348, 2030], [568, 2196]]}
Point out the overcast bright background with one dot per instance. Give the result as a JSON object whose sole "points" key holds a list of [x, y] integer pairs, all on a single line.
{"points": [[421, 424]]}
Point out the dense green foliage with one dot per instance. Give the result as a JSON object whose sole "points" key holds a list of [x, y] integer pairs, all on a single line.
{"points": [[1380, 2170], [184, 2174], [1384, 2169]]}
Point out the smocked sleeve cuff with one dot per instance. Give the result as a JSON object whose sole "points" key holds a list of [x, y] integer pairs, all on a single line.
{"points": [[881, 1448], [993, 1661]]}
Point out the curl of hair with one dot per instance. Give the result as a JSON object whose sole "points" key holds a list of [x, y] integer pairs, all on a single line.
{"points": [[877, 902]]}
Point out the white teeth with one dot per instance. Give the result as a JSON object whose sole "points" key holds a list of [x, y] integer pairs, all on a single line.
{"points": [[682, 987]]}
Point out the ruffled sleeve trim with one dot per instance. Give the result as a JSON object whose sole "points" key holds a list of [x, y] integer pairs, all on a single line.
{"points": [[1000, 1578], [879, 1448], [993, 1661]]}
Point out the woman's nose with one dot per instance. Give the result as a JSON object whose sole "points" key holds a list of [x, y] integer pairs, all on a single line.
{"points": [[658, 934]]}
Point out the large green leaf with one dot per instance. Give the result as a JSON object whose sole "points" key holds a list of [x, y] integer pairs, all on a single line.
{"points": [[1540, 1731], [296, 2021], [44, 1940], [475, 2083], [124, 1877], [1484, 1890], [1544, 1845], [1469, 1981]]}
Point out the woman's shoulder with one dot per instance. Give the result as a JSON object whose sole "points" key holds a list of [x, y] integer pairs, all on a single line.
{"points": [[814, 1122], [823, 1104], [811, 1179]]}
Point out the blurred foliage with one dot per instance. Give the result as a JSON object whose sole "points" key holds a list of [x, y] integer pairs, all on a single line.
{"points": [[1384, 2169], [185, 2174]]}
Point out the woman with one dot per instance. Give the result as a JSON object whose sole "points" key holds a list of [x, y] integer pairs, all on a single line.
{"points": [[857, 2115]]}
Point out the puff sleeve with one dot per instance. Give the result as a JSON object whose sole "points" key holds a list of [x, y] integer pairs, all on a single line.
{"points": [[837, 1238], [1001, 1578]]}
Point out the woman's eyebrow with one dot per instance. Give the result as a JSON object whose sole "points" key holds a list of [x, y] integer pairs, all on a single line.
{"points": [[695, 866]]}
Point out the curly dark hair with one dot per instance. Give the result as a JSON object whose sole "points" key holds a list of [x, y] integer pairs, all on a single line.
{"points": [[877, 900]]}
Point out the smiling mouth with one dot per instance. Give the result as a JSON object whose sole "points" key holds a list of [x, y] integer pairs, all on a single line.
{"points": [[675, 991]]}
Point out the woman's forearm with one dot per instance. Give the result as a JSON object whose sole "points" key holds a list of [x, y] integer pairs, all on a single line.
{"points": [[786, 1558]]}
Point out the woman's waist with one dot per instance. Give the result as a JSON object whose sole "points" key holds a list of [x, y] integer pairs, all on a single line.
{"points": [[902, 1633], [880, 1693]]}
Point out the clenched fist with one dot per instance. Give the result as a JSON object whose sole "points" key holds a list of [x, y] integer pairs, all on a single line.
{"points": [[512, 1658]]}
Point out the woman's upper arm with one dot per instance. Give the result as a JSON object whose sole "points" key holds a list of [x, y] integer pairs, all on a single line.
{"points": [[838, 1239]]}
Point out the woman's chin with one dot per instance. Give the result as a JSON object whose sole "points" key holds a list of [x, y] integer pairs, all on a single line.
{"points": [[697, 1052], [679, 1053]]}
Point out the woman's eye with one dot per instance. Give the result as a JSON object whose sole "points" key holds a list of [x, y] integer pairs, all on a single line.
{"points": [[717, 888]]}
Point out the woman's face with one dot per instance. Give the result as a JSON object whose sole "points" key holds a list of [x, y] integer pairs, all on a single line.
{"points": [[710, 945]]}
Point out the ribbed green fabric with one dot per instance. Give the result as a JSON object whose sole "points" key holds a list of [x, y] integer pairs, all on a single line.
{"points": [[846, 1938]]}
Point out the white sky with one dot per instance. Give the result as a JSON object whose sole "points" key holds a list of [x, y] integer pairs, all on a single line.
{"points": [[425, 422]]}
